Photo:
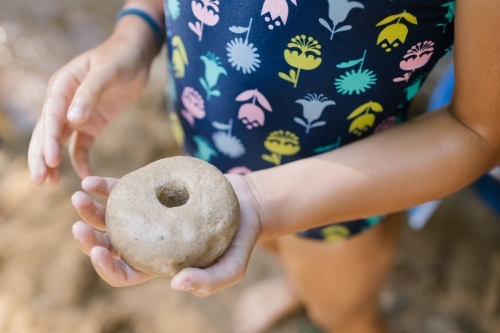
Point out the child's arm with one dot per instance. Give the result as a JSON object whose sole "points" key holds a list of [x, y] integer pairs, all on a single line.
{"points": [[425, 159], [421, 160], [90, 91]]}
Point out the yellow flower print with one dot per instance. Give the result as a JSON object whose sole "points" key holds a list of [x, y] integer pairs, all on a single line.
{"points": [[394, 34], [177, 130], [280, 143], [363, 119], [179, 57], [303, 53], [335, 233]]}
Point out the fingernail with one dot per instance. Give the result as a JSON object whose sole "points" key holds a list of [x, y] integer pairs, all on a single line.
{"points": [[37, 175], [87, 183], [184, 285], [35, 179], [75, 113]]}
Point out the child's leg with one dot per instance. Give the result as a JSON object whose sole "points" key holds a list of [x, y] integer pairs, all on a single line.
{"points": [[338, 283], [266, 302]]}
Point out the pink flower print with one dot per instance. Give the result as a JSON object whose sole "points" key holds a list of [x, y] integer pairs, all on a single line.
{"points": [[416, 57], [206, 13], [275, 12], [252, 114], [421, 54], [194, 105], [239, 170], [386, 124]]}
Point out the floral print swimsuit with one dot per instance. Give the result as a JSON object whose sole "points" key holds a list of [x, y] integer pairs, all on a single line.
{"points": [[255, 84]]}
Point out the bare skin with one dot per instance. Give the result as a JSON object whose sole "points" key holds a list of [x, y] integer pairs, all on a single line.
{"points": [[338, 301], [343, 298], [264, 304], [424, 159], [86, 94]]}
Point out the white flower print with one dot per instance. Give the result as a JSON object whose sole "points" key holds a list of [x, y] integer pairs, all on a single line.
{"points": [[241, 54], [225, 143]]}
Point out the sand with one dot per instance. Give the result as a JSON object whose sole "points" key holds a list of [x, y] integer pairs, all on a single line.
{"points": [[446, 278]]}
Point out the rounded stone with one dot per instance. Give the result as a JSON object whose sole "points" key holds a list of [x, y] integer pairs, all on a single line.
{"points": [[173, 213]]}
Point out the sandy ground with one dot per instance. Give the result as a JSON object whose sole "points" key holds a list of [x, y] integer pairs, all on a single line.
{"points": [[446, 278]]}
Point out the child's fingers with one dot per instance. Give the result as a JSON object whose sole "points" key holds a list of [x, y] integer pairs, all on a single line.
{"points": [[115, 272], [39, 171], [90, 211], [86, 238], [59, 94], [88, 94], [79, 152], [36, 160], [226, 271], [99, 185]]}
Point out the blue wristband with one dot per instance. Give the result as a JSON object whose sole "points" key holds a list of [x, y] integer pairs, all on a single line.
{"points": [[146, 17]]}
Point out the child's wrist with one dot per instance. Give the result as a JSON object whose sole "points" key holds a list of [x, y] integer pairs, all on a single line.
{"points": [[268, 208], [142, 24], [133, 31], [154, 19]]}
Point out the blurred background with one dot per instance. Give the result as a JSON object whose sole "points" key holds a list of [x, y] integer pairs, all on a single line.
{"points": [[446, 278]]}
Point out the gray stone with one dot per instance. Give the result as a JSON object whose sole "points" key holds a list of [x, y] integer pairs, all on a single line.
{"points": [[173, 213]]}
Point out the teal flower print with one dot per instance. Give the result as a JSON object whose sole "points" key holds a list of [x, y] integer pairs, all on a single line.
{"points": [[355, 81], [332, 146], [173, 9], [448, 50], [213, 69], [204, 149], [412, 90], [372, 221], [450, 15]]}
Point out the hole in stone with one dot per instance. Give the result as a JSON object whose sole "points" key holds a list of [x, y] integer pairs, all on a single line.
{"points": [[172, 195]]}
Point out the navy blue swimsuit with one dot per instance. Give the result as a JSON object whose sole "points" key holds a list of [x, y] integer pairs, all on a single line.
{"points": [[259, 83]]}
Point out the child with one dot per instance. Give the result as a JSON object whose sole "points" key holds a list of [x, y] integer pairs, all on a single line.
{"points": [[293, 85]]}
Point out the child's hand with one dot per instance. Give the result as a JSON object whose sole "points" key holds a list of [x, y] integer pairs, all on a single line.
{"points": [[228, 270], [97, 245], [85, 95]]}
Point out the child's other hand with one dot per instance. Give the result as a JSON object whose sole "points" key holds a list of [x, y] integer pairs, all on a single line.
{"points": [[230, 268], [83, 97], [97, 245]]}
